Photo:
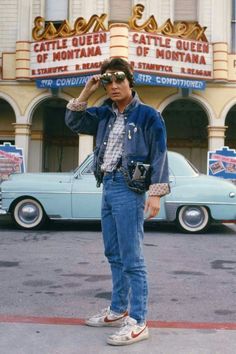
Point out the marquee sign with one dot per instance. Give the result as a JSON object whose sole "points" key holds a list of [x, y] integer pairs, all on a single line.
{"points": [[181, 29], [176, 50], [154, 53], [40, 31], [68, 56]]}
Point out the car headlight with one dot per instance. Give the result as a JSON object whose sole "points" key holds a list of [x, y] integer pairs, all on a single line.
{"points": [[231, 194]]}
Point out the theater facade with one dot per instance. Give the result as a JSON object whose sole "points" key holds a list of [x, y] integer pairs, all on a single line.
{"points": [[188, 77]]}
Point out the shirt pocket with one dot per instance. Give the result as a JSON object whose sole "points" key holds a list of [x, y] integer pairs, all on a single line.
{"points": [[134, 141]]}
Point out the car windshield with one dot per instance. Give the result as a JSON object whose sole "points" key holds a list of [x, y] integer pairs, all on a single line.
{"points": [[193, 167]]}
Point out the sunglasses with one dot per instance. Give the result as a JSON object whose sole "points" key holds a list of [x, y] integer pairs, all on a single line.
{"points": [[108, 78]]}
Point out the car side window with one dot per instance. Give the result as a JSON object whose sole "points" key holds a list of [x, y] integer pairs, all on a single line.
{"points": [[88, 170]]}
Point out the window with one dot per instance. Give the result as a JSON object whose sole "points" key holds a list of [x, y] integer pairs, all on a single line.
{"points": [[120, 11], [56, 10], [186, 10]]}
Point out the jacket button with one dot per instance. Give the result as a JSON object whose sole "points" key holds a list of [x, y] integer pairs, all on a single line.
{"points": [[105, 143]]}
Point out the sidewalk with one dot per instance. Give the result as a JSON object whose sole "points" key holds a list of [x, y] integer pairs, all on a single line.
{"points": [[38, 338]]}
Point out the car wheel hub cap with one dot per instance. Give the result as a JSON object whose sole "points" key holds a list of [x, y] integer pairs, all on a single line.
{"points": [[193, 217], [28, 213]]}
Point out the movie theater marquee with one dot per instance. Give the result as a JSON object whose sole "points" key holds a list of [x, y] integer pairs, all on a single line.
{"points": [[175, 50]]}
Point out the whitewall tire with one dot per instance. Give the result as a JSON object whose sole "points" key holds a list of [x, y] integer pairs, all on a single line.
{"points": [[193, 218], [28, 214]]}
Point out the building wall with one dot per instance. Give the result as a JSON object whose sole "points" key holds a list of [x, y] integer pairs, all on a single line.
{"points": [[24, 98], [8, 24]]}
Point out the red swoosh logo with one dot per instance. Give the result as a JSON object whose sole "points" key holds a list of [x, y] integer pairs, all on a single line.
{"points": [[106, 319], [135, 335]]}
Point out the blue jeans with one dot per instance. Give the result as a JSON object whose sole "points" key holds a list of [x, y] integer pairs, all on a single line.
{"points": [[122, 226]]}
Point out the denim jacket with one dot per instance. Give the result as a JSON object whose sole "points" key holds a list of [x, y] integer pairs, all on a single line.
{"points": [[144, 141]]}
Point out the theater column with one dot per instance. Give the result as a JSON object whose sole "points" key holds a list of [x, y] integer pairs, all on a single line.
{"points": [[220, 61], [22, 136], [24, 19], [119, 40], [216, 137], [85, 146]]}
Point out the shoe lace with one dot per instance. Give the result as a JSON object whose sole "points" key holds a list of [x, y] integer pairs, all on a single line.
{"points": [[126, 327], [103, 312]]}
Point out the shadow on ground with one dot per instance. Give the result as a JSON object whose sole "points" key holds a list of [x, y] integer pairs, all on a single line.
{"points": [[219, 229]]}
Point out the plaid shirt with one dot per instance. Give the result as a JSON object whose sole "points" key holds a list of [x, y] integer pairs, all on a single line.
{"points": [[114, 148]]}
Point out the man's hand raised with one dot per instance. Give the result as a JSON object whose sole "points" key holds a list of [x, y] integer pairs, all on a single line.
{"points": [[91, 86]]}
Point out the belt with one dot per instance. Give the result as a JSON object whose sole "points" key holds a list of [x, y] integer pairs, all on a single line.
{"points": [[107, 173]]}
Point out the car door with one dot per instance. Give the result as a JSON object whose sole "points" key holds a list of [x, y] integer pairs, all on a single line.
{"points": [[162, 215], [86, 197]]}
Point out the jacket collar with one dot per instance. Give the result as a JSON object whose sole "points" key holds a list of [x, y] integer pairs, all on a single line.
{"points": [[131, 106]]}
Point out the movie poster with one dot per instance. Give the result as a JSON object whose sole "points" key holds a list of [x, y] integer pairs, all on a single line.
{"points": [[222, 163], [11, 160]]}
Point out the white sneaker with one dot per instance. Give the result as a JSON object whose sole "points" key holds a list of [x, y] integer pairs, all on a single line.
{"points": [[129, 333], [107, 318]]}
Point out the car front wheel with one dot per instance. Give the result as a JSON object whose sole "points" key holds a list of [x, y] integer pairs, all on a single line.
{"points": [[28, 214], [192, 218]]}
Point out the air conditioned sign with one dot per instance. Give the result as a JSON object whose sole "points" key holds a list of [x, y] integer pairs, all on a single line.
{"points": [[139, 79], [155, 80]]}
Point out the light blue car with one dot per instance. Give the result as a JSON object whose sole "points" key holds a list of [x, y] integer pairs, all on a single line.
{"points": [[195, 201]]}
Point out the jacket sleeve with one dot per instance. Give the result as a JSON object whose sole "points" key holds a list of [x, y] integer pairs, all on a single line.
{"points": [[158, 157], [83, 121]]}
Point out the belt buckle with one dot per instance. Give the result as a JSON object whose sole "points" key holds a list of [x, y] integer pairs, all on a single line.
{"points": [[106, 173]]}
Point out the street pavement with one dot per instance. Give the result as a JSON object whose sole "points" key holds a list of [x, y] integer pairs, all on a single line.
{"points": [[38, 338], [39, 334]]}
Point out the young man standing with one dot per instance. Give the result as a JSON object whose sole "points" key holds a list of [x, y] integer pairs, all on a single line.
{"points": [[130, 157]]}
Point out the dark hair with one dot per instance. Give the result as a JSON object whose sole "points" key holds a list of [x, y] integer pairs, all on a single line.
{"points": [[119, 64]]}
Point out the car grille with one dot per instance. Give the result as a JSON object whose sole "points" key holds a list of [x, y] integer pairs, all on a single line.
{"points": [[2, 211]]}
